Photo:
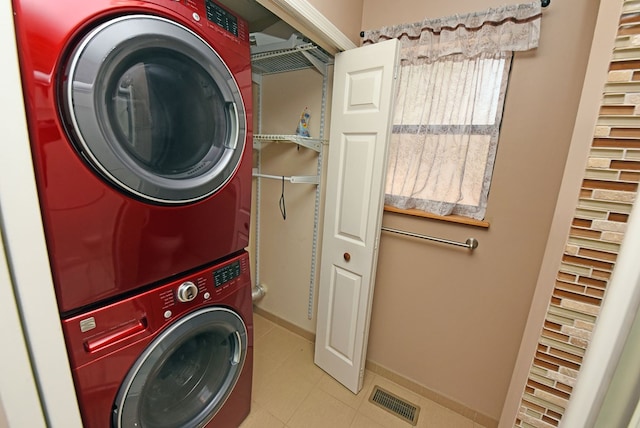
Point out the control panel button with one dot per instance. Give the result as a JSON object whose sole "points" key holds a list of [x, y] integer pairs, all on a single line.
{"points": [[187, 291], [167, 314]]}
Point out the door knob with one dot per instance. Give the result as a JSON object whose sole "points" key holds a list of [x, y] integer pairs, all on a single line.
{"points": [[347, 257]]}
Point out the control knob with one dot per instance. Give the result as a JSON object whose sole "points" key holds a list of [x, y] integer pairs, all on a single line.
{"points": [[187, 291]]}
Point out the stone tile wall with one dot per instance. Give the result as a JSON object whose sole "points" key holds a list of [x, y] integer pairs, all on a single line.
{"points": [[608, 191]]}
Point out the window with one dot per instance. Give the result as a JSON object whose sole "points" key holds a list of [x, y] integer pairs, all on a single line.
{"points": [[452, 83], [445, 134]]}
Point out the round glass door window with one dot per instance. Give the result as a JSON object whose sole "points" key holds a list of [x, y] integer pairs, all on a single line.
{"points": [[186, 374], [154, 109]]}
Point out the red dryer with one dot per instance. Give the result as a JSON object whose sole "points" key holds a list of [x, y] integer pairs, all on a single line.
{"points": [[180, 355], [139, 114]]}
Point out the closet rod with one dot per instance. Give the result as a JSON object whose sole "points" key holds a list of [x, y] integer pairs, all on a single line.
{"points": [[296, 179], [471, 243]]}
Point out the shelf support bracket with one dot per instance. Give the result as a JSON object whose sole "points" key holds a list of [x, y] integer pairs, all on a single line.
{"points": [[319, 65]]}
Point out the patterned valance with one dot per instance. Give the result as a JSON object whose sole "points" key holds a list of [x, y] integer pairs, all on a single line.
{"points": [[505, 28]]}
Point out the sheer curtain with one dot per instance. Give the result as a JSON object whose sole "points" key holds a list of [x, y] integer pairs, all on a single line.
{"points": [[453, 78]]}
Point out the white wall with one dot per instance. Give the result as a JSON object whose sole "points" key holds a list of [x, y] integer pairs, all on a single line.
{"points": [[18, 395], [30, 324], [3, 417], [17, 385]]}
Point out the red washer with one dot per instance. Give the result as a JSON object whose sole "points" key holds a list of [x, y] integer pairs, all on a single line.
{"points": [[140, 121], [180, 355]]}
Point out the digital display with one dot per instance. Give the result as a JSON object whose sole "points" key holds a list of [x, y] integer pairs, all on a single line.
{"points": [[221, 17], [226, 274]]}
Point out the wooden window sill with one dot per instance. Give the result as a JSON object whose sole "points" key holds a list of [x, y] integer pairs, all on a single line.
{"points": [[450, 218]]}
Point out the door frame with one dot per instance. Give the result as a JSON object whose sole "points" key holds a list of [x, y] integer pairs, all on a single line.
{"points": [[38, 391], [301, 15]]}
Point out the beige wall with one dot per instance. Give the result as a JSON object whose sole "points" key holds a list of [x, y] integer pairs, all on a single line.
{"points": [[346, 15], [443, 318], [452, 321], [286, 245]]}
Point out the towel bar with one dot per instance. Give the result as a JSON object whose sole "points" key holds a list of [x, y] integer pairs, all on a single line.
{"points": [[470, 243]]}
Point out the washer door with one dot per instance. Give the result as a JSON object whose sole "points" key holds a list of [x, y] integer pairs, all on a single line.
{"points": [[154, 109], [186, 374]]}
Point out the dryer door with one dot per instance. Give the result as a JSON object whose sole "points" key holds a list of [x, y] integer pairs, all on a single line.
{"points": [[185, 375], [154, 109]]}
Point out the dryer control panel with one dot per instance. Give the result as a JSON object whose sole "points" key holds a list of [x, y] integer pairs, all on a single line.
{"points": [[221, 17]]}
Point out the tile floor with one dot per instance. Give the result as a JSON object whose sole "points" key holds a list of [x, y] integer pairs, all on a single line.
{"points": [[290, 391]]}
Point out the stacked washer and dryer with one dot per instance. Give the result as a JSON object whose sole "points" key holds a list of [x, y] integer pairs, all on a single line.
{"points": [[139, 114]]}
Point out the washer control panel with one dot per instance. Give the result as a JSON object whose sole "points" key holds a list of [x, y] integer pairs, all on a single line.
{"points": [[93, 334], [225, 274], [212, 283], [187, 291]]}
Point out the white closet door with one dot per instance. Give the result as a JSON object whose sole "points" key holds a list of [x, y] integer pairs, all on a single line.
{"points": [[364, 86]]}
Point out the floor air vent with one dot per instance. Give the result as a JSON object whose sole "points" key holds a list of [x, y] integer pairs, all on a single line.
{"points": [[395, 405]]}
